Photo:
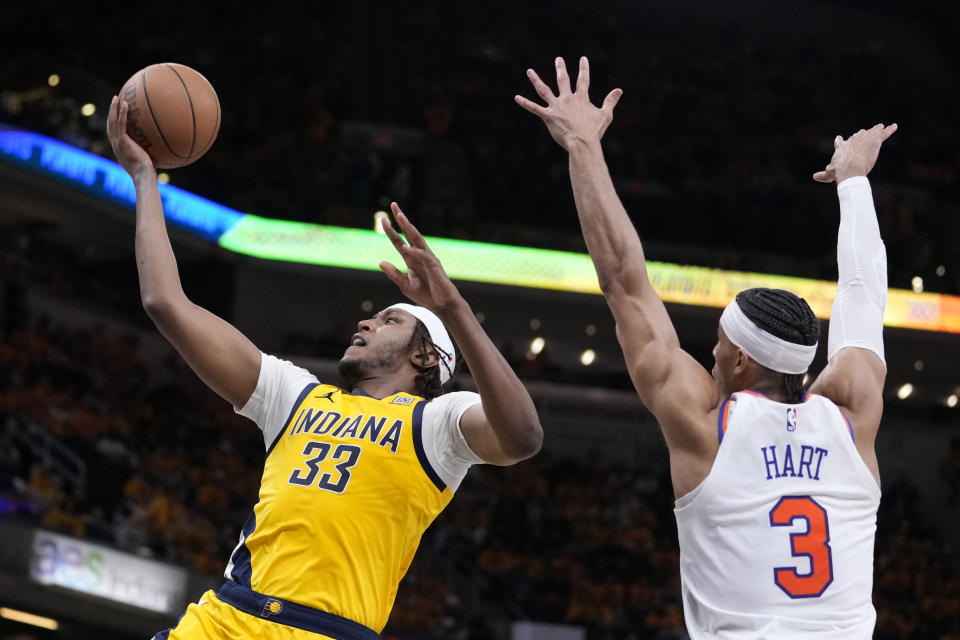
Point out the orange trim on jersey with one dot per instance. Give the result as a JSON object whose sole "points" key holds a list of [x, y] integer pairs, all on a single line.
{"points": [[722, 419]]}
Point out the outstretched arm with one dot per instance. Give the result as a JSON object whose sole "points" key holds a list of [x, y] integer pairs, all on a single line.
{"points": [[678, 391], [219, 354], [504, 428], [855, 371]]}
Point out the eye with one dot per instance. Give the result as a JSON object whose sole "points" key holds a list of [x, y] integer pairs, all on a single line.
{"points": [[390, 319]]}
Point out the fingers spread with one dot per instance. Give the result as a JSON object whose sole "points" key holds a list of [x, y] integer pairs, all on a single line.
{"points": [[563, 80], [611, 101], [413, 235], [394, 274], [392, 234], [583, 77], [540, 87], [532, 107]]}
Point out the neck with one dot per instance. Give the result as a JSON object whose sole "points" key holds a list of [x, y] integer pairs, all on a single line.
{"points": [[772, 387], [381, 387]]}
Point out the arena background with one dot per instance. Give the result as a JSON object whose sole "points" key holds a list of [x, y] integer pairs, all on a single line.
{"points": [[124, 481]]}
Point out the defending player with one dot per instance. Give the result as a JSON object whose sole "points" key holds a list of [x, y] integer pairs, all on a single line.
{"points": [[777, 491], [353, 476]]}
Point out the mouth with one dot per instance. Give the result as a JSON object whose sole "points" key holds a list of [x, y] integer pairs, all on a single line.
{"points": [[358, 341]]}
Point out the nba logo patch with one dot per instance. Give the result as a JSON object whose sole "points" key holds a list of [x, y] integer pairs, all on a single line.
{"points": [[402, 400], [792, 419], [272, 608]]}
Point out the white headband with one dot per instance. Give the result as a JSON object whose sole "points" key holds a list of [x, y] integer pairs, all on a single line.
{"points": [[438, 336], [765, 348]]}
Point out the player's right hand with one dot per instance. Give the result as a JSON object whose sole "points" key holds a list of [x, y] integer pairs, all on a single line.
{"points": [[129, 154], [570, 116]]}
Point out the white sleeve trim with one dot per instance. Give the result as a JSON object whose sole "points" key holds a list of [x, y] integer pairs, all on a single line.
{"points": [[445, 447], [278, 387]]}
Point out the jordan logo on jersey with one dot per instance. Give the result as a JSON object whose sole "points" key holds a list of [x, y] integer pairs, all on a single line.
{"points": [[327, 396], [792, 419]]}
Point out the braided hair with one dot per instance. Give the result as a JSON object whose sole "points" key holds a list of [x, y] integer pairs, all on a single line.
{"points": [[786, 316], [427, 380]]}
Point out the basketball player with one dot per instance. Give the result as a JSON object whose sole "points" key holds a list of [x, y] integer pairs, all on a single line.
{"points": [[777, 491], [352, 476]]}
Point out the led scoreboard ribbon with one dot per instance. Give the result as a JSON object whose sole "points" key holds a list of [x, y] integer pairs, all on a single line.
{"points": [[474, 261], [107, 179]]}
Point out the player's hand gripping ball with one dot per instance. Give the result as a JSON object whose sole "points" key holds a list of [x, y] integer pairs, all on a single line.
{"points": [[174, 113]]}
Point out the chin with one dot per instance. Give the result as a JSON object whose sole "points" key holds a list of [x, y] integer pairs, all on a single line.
{"points": [[350, 369]]}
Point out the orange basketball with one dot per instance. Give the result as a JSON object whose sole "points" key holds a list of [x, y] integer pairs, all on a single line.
{"points": [[174, 113]]}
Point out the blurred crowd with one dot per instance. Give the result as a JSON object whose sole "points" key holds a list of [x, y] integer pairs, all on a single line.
{"points": [[169, 470], [328, 117], [575, 542], [165, 466], [916, 587]]}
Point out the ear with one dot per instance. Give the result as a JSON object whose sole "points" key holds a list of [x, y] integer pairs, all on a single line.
{"points": [[424, 359], [743, 361]]}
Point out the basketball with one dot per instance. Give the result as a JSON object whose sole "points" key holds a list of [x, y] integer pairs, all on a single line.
{"points": [[174, 113]]}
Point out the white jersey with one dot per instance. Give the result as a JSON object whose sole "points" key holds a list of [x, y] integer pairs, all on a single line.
{"points": [[777, 541]]}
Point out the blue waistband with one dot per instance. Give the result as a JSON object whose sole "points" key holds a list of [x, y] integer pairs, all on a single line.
{"points": [[293, 614]]}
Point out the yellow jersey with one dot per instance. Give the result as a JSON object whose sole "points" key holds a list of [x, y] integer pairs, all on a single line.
{"points": [[348, 489]]}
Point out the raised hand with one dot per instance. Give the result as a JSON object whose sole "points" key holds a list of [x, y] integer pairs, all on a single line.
{"points": [[856, 155], [426, 283], [570, 116], [129, 154]]}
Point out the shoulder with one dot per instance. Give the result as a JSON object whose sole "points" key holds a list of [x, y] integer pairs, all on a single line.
{"points": [[442, 440], [818, 398], [455, 398], [274, 367], [449, 407], [280, 386]]}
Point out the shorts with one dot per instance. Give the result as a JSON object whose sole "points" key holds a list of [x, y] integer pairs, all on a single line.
{"points": [[237, 612]]}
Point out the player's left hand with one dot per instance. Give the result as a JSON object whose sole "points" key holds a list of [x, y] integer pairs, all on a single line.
{"points": [[570, 116], [856, 155], [426, 283]]}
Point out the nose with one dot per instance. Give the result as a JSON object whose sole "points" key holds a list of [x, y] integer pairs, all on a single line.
{"points": [[364, 325]]}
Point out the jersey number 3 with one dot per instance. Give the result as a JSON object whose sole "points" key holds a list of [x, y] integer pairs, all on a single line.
{"points": [[346, 455], [813, 544]]}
